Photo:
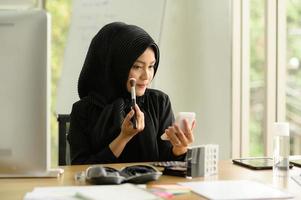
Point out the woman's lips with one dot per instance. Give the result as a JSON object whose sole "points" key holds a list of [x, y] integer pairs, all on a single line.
{"points": [[141, 86]]}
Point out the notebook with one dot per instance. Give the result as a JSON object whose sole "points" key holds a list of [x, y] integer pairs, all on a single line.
{"points": [[296, 163]]}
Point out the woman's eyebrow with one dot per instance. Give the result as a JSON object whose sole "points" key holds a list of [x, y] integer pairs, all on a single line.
{"points": [[140, 61]]}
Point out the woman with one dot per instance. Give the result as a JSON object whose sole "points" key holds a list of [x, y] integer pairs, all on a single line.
{"points": [[101, 130]]}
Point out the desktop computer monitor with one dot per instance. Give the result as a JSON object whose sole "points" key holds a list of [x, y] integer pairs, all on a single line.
{"points": [[24, 89]]}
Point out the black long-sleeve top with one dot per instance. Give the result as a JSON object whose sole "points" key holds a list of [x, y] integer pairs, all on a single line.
{"points": [[93, 128]]}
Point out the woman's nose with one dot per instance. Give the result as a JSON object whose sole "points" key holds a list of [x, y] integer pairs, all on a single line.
{"points": [[145, 74]]}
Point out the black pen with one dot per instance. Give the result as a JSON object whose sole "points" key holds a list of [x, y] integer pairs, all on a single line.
{"points": [[133, 100]]}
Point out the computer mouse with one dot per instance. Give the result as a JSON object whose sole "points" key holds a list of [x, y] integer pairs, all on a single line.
{"points": [[103, 175], [95, 171]]}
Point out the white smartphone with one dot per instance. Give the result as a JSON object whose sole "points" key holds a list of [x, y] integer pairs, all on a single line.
{"points": [[189, 116]]}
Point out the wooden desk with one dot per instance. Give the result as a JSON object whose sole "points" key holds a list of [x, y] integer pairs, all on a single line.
{"points": [[16, 188]]}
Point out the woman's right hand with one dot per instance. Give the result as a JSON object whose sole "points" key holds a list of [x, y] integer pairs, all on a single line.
{"points": [[127, 129]]}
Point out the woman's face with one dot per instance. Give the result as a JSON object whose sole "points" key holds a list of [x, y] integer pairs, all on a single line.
{"points": [[143, 71]]}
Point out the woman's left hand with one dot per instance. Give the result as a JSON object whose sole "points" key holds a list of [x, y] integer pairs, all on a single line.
{"points": [[180, 139]]}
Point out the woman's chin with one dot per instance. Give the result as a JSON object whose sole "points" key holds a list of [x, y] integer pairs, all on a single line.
{"points": [[140, 92]]}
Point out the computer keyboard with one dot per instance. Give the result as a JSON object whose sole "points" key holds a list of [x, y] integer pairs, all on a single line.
{"points": [[169, 164]]}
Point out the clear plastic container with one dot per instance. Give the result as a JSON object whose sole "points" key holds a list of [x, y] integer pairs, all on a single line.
{"points": [[281, 149]]}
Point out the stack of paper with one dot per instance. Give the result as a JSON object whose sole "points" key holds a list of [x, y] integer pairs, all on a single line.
{"points": [[242, 189], [104, 192]]}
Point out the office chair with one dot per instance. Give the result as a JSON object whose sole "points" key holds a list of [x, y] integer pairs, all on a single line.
{"points": [[64, 148]]}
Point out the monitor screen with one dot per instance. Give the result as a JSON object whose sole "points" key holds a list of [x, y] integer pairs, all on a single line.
{"points": [[24, 89]]}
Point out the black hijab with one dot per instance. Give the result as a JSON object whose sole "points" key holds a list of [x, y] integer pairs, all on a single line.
{"points": [[111, 54]]}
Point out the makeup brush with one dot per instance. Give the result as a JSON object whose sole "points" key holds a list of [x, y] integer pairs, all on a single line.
{"points": [[133, 102]]}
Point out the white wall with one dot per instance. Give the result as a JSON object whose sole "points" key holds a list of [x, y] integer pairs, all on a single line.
{"points": [[195, 68]]}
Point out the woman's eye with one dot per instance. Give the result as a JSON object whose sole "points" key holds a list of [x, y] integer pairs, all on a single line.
{"points": [[137, 67], [151, 66]]}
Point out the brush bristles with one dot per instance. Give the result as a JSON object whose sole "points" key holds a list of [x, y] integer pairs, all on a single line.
{"points": [[132, 82]]}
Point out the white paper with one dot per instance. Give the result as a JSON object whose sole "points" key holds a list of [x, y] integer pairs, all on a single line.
{"points": [[297, 178], [104, 192], [241, 189]]}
